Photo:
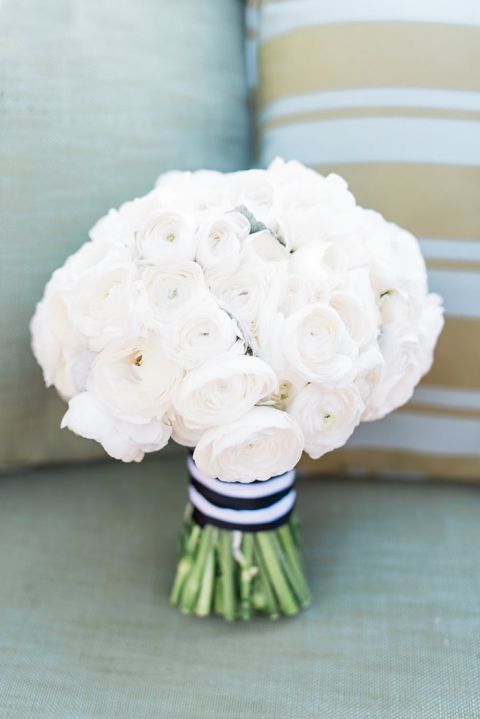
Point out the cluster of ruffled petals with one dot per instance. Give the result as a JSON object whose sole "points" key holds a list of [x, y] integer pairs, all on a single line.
{"points": [[250, 315]]}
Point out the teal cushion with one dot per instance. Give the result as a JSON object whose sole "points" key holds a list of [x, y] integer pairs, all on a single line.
{"points": [[87, 556], [98, 98]]}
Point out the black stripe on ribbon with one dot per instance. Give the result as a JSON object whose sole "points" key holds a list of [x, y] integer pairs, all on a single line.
{"points": [[202, 519], [220, 500]]}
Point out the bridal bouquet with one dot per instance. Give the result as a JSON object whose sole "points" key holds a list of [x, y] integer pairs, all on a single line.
{"points": [[248, 316]]}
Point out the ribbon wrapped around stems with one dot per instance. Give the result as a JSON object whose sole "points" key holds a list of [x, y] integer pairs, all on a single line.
{"points": [[253, 507], [239, 551]]}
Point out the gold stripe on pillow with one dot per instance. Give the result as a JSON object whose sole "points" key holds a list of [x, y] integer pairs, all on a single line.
{"points": [[430, 200], [388, 96], [399, 463], [457, 356], [301, 117], [458, 265], [370, 55]]}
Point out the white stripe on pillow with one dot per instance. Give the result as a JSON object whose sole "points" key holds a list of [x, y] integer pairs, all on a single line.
{"points": [[376, 139], [370, 97], [282, 17]]}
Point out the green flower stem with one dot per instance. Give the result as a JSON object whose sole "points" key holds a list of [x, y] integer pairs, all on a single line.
{"points": [[264, 597], [187, 531], [192, 584], [292, 562], [193, 539], [294, 525], [279, 582], [247, 573], [237, 574], [189, 541], [184, 568], [288, 572], [226, 563], [205, 596]]}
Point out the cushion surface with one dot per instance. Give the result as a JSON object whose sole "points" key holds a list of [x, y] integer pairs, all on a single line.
{"points": [[87, 556]]}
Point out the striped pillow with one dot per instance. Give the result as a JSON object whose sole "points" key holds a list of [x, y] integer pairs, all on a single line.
{"points": [[388, 95]]}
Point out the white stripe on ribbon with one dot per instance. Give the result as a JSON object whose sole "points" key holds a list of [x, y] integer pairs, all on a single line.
{"points": [[243, 490], [243, 516], [279, 18], [376, 139], [424, 97]]}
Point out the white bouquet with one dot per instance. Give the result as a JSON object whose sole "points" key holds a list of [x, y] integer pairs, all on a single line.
{"points": [[249, 316]]}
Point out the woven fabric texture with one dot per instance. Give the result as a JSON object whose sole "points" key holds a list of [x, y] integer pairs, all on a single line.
{"points": [[97, 98], [86, 560], [388, 95]]}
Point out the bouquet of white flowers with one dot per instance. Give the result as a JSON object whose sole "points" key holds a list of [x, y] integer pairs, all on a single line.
{"points": [[248, 316]]}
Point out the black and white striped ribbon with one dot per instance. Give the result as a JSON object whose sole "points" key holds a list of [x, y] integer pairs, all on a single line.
{"points": [[249, 507]]}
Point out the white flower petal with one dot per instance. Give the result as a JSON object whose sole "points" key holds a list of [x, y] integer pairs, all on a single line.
{"points": [[263, 443]]}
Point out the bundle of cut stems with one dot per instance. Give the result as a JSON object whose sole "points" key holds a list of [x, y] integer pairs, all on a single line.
{"points": [[237, 574]]}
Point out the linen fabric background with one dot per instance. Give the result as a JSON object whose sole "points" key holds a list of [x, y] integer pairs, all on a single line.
{"points": [[388, 95], [97, 98], [87, 631]]}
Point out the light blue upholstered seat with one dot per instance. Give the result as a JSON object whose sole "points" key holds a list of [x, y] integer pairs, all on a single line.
{"points": [[86, 560]]}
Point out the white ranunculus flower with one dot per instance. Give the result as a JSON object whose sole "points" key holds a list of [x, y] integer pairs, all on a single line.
{"points": [[200, 334], [287, 172], [127, 441], [283, 396], [119, 226], [182, 435], [326, 417], [174, 289], [408, 264], [135, 381], [393, 383], [108, 302], [408, 336], [91, 254], [322, 264], [59, 349], [223, 389], [431, 322], [219, 242], [369, 369], [398, 376], [254, 190], [296, 187], [355, 302], [166, 237], [360, 319], [197, 192], [305, 201], [296, 293], [296, 226], [263, 443], [317, 345], [301, 186], [263, 246], [393, 255], [251, 296]]}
